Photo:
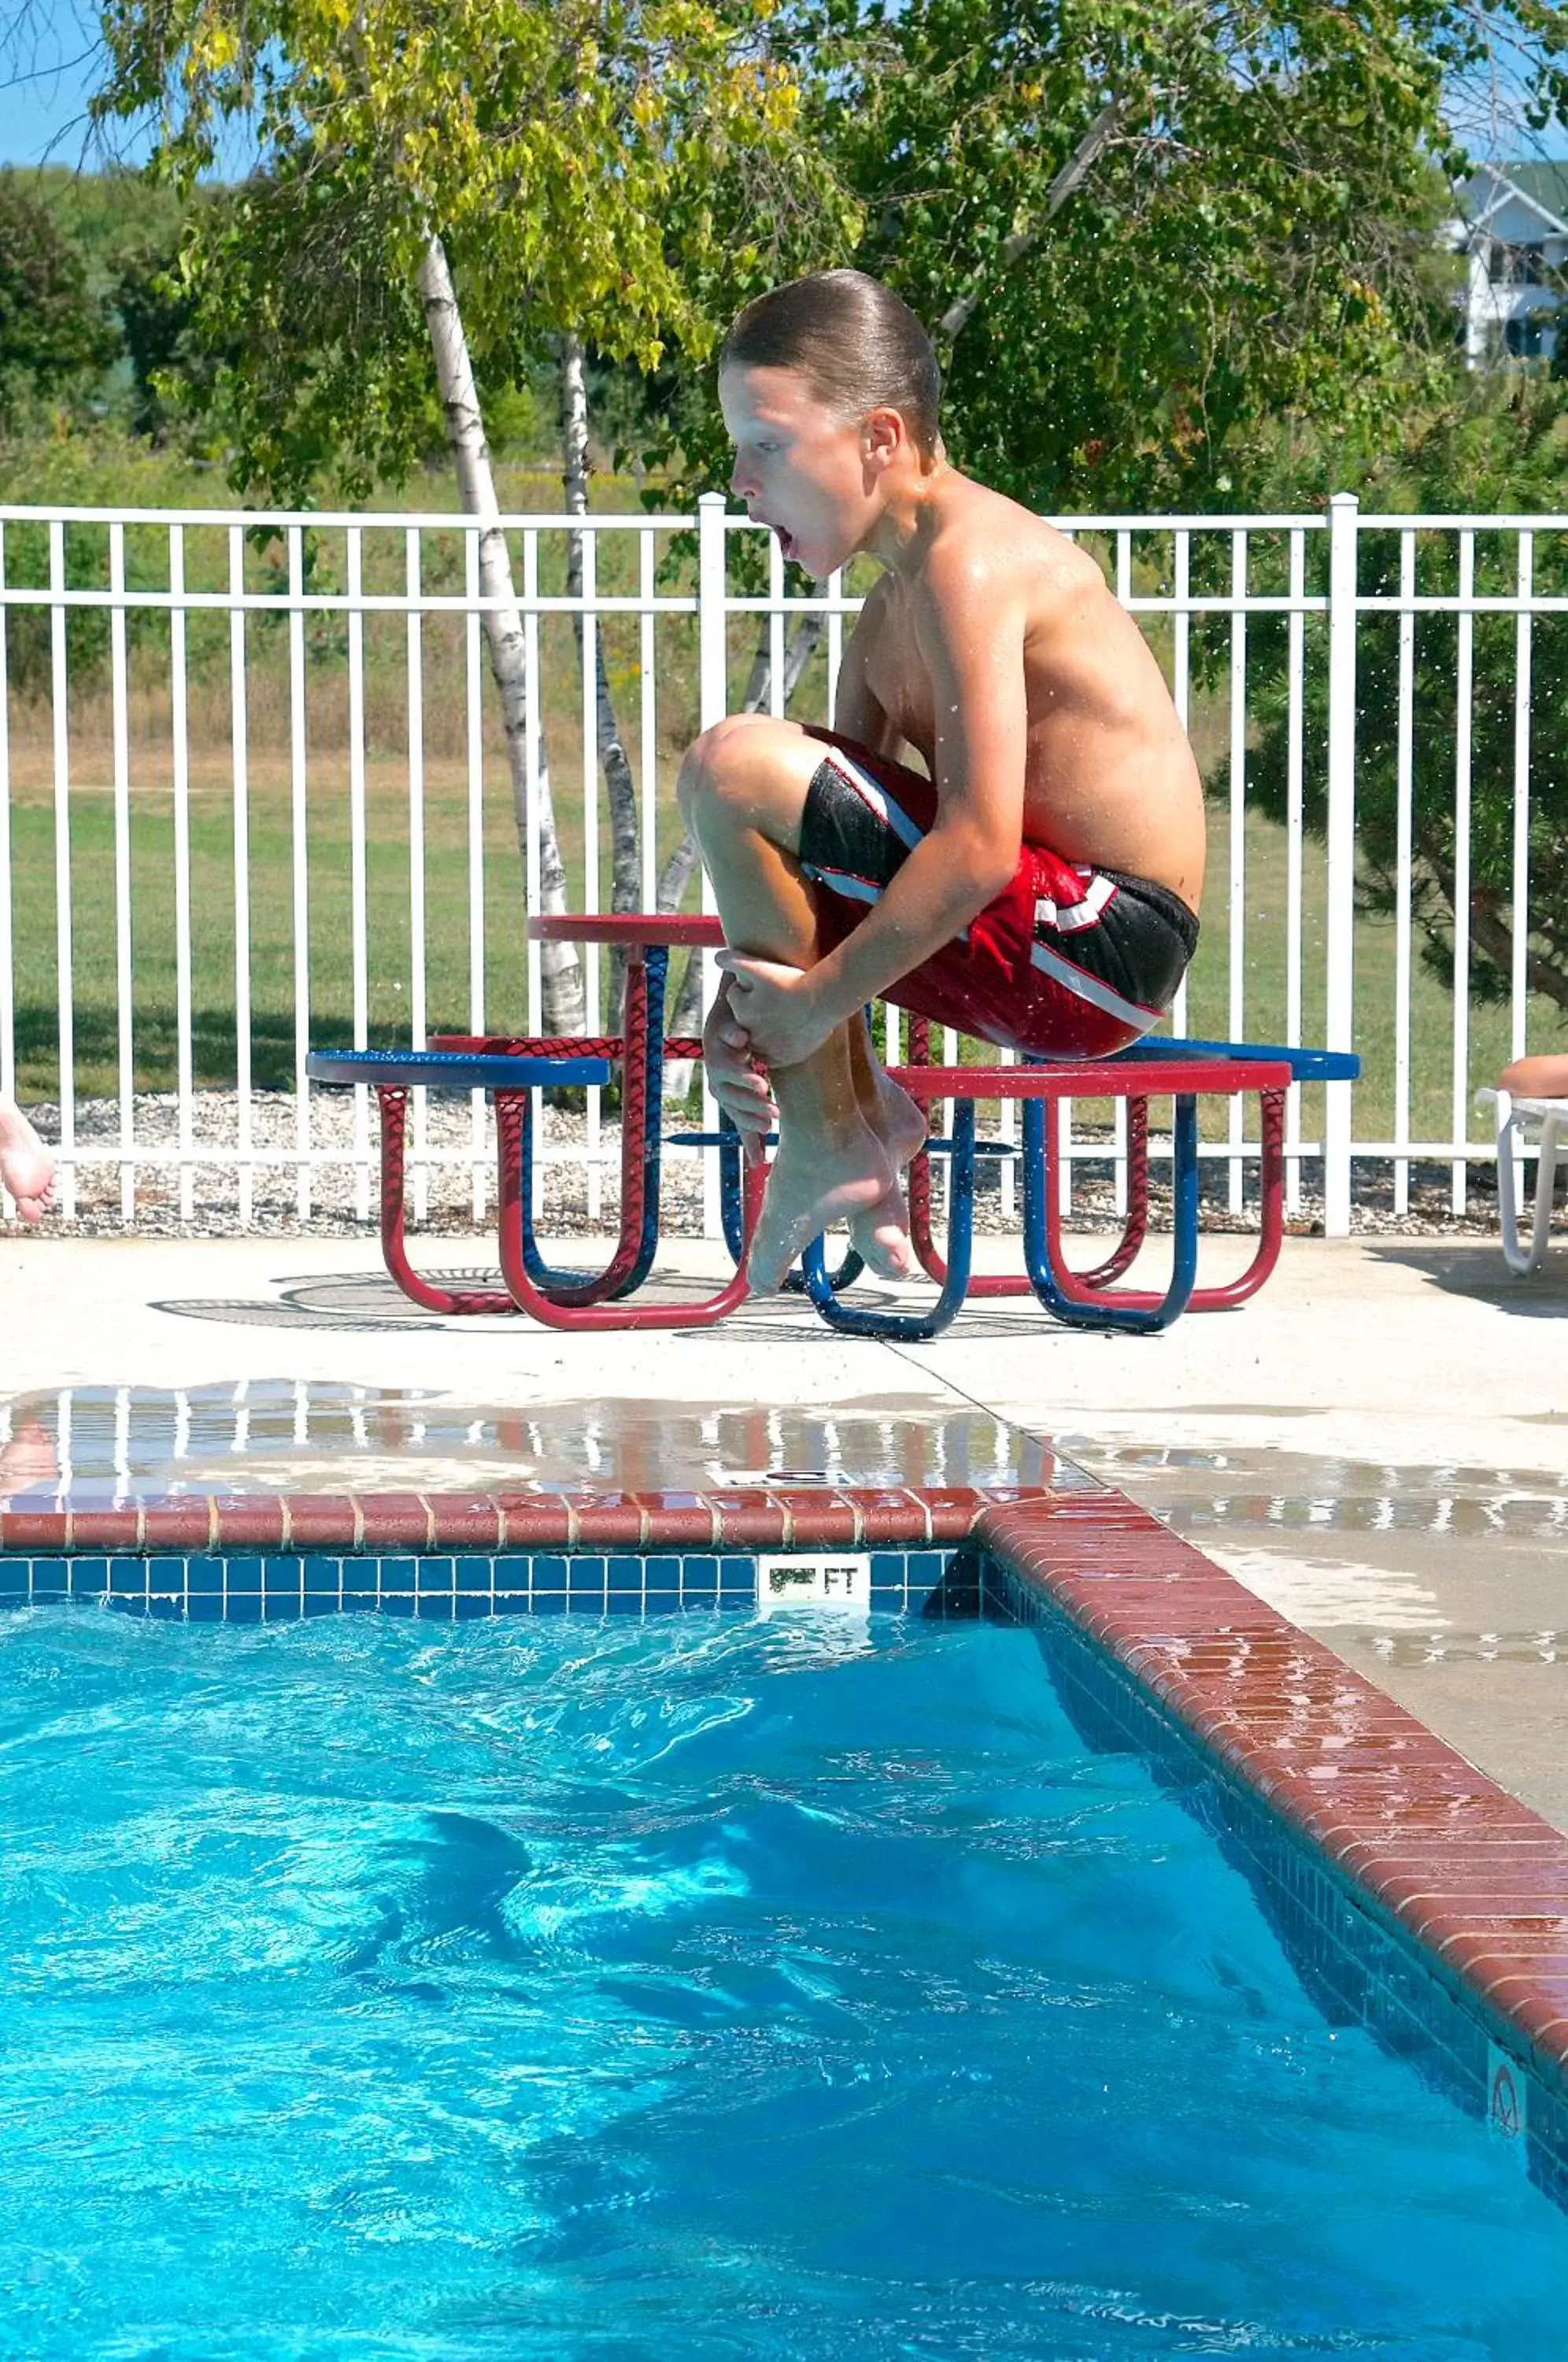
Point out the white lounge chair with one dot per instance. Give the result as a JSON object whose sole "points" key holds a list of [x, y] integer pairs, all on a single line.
{"points": [[1548, 1120]]}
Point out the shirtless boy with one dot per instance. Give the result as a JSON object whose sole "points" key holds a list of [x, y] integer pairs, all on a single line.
{"points": [[27, 1167], [1036, 884]]}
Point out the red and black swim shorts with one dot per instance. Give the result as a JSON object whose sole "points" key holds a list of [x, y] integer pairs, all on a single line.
{"points": [[1067, 962]]}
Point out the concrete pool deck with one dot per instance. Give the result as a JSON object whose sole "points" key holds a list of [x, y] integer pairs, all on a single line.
{"points": [[1379, 1445]]}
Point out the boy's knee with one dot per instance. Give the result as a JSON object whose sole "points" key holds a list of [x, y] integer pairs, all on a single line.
{"points": [[717, 762]]}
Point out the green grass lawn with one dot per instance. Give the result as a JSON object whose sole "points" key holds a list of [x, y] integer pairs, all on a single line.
{"points": [[390, 928]]}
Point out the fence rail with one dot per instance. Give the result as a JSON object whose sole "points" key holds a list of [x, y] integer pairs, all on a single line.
{"points": [[254, 789]]}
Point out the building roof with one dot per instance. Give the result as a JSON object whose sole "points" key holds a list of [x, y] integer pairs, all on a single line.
{"points": [[1547, 183], [1544, 187]]}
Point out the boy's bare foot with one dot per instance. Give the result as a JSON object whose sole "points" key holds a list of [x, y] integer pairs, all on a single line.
{"points": [[899, 1120], [880, 1235], [27, 1168], [814, 1184]]}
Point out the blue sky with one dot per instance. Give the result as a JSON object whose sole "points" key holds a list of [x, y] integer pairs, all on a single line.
{"points": [[43, 96], [44, 90], [44, 87]]}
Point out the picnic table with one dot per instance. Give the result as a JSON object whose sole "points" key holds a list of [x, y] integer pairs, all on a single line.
{"points": [[513, 1068]]}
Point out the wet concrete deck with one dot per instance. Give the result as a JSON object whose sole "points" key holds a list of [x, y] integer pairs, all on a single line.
{"points": [[1379, 1445]]}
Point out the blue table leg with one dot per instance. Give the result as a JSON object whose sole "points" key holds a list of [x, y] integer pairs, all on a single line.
{"points": [[730, 1201], [1038, 1178], [544, 1276], [907, 1327], [848, 1272], [655, 958]]}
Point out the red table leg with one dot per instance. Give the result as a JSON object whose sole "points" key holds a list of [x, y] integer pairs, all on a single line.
{"points": [[634, 1169], [555, 1315], [1125, 1253], [630, 1047], [393, 1103], [932, 1262], [1091, 1288]]}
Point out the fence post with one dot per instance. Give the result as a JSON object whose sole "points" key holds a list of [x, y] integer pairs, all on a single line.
{"points": [[7, 957], [713, 704], [712, 623], [1339, 927]]}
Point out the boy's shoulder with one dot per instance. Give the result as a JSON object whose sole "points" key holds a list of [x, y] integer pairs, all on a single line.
{"points": [[981, 538]]}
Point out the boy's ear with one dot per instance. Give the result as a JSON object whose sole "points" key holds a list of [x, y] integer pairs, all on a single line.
{"points": [[884, 435]]}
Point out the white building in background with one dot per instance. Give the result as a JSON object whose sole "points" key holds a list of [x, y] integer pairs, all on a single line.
{"points": [[1513, 231]]}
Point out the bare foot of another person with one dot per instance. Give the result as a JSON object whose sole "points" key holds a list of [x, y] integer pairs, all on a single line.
{"points": [[27, 1168], [815, 1182], [29, 1463]]}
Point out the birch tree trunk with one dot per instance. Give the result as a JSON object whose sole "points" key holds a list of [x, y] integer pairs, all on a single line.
{"points": [[561, 972], [625, 881], [677, 873], [1077, 168]]}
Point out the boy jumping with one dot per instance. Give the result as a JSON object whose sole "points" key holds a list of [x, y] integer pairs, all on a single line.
{"points": [[1037, 885]]}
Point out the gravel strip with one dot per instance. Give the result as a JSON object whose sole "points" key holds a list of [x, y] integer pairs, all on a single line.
{"points": [[334, 1193]]}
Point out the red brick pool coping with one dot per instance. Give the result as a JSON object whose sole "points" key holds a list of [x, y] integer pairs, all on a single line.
{"points": [[775, 1517], [1427, 1845]]}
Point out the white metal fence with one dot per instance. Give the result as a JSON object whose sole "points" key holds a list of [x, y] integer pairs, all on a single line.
{"points": [[253, 791]]}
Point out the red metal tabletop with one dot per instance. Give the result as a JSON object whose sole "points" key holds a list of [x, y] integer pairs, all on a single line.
{"points": [[625, 927], [1120, 1078]]}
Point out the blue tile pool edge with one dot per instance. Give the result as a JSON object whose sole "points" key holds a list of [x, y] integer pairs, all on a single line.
{"points": [[274, 1588], [1359, 1967]]}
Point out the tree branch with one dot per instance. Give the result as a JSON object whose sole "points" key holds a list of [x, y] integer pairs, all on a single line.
{"points": [[1080, 164], [1489, 933]]}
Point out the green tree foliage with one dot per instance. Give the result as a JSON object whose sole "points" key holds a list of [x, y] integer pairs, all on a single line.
{"points": [[563, 154], [54, 337], [1254, 189], [1240, 245], [1498, 445], [154, 312], [108, 216], [120, 237]]}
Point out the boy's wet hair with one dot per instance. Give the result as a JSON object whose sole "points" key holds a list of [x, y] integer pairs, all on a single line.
{"points": [[857, 344]]}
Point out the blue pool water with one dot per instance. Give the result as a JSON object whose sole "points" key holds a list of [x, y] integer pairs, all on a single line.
{"points": [[686, 1992]]}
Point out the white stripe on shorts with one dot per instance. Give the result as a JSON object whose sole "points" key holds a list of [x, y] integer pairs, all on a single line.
{"points": [[1090, 987], [854, 890], [1071, 917], [890, 814]]}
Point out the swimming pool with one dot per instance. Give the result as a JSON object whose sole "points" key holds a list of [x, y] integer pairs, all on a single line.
{"points": [[697, 1987]]}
